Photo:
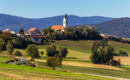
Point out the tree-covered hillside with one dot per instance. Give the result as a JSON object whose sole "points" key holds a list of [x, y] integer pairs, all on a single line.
{"points": [[119, 27]]}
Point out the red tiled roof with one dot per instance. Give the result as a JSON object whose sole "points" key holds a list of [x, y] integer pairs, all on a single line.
{"points": [[32, 29], [58, 27]]}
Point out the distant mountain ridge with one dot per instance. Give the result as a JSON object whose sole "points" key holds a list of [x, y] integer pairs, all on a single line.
{"points": [[107, 25], [118, 27], [16, 23]]}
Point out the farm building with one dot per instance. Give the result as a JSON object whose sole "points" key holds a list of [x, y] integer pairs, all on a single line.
{"points": [[34, 34]]}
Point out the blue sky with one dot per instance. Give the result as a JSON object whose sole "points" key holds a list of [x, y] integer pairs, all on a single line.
{"points": [[48, 8]]}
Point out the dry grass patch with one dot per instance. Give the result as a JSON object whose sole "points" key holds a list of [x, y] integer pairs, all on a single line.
{"points": [[123, 60], [82, 64]]}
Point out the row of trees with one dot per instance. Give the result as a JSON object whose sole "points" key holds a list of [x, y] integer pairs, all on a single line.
{"points": [[9, 41], [119, 39], [72, 33], [55, 56]]}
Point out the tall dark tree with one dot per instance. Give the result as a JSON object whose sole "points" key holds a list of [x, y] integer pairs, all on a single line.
{"points": [[1, 32], [9, 47], [21, 31], [3, 44]]}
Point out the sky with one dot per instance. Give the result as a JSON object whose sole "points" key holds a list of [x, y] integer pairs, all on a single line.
{"points": [[49, 8]]}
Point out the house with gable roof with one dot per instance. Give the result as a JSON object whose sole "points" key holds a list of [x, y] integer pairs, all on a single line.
{"points": [[34, 34]]}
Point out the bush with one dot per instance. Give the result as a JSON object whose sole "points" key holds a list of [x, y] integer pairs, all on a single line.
{"points": [[12, 60], [17, 53], [42, 53], [30, 63], [51, 50], [63, 52], [32, 51], [123, 53], [53, 62], [114, 63]]}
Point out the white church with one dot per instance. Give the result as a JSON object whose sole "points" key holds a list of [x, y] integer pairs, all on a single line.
{"points": [[61, 27]]}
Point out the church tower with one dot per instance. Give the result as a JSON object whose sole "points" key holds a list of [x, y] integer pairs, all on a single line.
{"points": [[65, 21]]}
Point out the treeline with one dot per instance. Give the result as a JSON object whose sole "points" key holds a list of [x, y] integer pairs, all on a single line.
{"points": [[9, 41], [119, 39], [73, 33]]}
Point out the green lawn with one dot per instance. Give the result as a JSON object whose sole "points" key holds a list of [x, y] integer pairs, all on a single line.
{"points": [[80, 48], [43, 73], [63, 71], [110, 72], [77, 49], [85, 45]]}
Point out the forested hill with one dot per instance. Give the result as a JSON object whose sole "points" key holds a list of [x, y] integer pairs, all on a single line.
{"points": [[118, 27], [15, 23]]}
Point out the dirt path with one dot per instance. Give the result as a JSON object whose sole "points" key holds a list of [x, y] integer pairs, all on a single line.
{"points": [[81, 64], [22, 77]]}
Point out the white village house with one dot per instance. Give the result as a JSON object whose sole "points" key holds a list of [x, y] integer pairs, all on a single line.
{"points": [[8, 31]]}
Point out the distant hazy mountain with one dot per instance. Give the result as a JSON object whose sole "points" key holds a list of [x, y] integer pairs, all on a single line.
{"points": [[16, 23], [118, 27]]}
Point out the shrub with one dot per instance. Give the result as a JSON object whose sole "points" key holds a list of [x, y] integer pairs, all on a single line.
{"points": [[63, 52], [123, 53], [42, 53], [30, 63], [51, 50], [32, 51], [11, 60], [53, 62], [114, 63], [17, 53]]}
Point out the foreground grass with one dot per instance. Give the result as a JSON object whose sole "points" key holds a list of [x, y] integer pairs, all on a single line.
{"points": [[64, 71], [106, 72], [39, 72]]}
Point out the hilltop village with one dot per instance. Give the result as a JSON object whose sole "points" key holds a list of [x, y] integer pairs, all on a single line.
{"points": [[37, 36]]}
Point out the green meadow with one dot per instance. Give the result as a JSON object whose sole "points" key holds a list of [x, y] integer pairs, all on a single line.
{"points": [[15, 72], [79, 51]]}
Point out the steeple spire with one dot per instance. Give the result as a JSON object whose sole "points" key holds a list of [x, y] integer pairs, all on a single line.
{"points": [[65, 21]]}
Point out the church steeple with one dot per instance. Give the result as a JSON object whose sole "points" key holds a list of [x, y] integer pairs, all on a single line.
{"points": [[65, 21]]}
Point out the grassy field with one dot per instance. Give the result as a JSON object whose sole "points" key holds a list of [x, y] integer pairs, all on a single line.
{"points": [[80, 48], [102, 71], [17, 72], [79, 51], [68, 68], [85, 45]]}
